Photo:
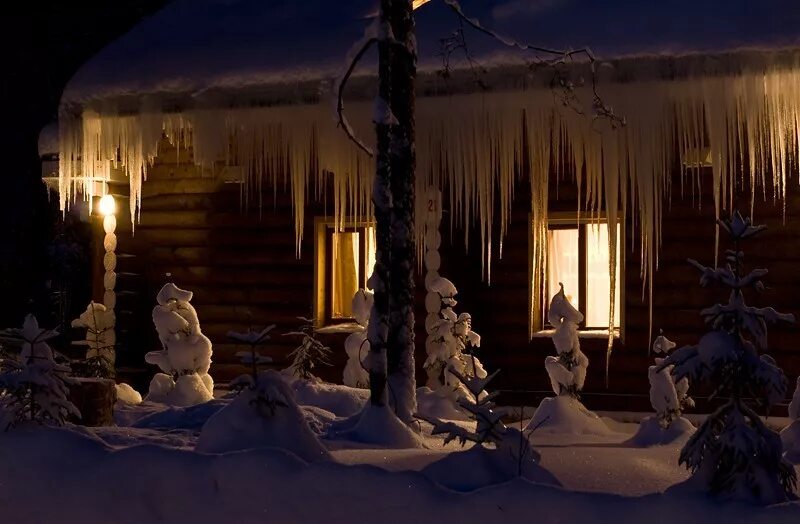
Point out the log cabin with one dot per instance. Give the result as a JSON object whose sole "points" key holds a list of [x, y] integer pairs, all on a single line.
{"points": [[214, 121]]}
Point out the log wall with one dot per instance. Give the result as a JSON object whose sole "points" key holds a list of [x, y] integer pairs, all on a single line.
{"points": [[242, 267]]}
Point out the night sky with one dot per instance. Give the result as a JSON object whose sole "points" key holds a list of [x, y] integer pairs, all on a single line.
{"points": [[43, 43]]}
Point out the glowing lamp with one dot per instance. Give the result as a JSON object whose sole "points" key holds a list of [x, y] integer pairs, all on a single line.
{"points": [[107, 205]]}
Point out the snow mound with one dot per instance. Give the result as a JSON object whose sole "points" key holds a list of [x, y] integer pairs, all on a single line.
{"points": [[376, 425], [342, 401], [190, 417], [125, 393], [566, 414], [432, 405], [650, 432], [479, 467], [265, 415], [188, 390]]}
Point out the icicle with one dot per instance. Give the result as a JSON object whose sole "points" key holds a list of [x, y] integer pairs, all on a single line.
{"points": [[470, 146]]}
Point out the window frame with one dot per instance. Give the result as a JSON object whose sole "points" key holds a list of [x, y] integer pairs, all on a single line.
{"points": [[569, 220], [325, 228]]}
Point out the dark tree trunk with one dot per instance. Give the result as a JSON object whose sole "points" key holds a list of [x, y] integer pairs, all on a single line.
{"points": [[381, 200], [402, 156]]}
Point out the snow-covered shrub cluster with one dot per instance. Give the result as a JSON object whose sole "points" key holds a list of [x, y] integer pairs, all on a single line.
{"points": [[451, 342], [264, 414], [100, 340], [567, 371], [33, 387], [356, 345], [310, 354], [669, 398], [790, 436], [733, 452], [186, 357]]}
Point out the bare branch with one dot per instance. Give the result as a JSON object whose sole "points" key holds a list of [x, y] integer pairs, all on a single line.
{"points": [[552, 58], [343, 122]]}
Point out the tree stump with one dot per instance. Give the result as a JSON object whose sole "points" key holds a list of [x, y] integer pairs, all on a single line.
{"points": [[95, 399]]}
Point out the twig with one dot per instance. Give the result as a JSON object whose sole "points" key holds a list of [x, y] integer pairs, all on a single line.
{"points": [[343, 122]]}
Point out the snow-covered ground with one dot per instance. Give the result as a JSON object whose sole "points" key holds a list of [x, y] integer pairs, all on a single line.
{"points": [[145, 470]]}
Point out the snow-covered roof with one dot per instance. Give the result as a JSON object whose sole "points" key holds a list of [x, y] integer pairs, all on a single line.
{"points": [[48, 140], [201, 47]]}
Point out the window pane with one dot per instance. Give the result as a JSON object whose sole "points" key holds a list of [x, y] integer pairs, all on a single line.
{"points": [[562, 264], [344, 280], [598, 285]]}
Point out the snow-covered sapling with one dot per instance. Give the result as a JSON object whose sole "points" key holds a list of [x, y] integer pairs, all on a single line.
{"points": [[254, 339], [565, 413], [668, 397], [186, 357], [33, 386], [790, 436], [100, 340], [451, 344], [356, 344], [567, 370], [310, 354], [734, 452], [489, 427]]}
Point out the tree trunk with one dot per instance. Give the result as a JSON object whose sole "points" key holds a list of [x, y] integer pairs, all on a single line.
{"points": [[402, 157], [381, 201]]}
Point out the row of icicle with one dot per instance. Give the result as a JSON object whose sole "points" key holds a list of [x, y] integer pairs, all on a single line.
{"points": [[476, 148]]}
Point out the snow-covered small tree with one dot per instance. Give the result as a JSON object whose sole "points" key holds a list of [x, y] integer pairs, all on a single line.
{"points": [[669, 398], [565, 413], [489, 427], [33, 386], [567, 370], [790, 436], [254, 339], [100, 340], [186, 355], [734, 452], [265, 414], [451, 344], [356, 345], [310, 354]]}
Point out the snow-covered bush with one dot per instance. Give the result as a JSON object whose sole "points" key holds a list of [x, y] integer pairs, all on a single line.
{"points": [[734, 452], [264, 414], [498, 454], [254, 339], [186, 357], [669, 398], [790, 436], [450, 344], [356, 345], [310, 354], [100, 340], [567, 370], [33, 386], [489, 427]]}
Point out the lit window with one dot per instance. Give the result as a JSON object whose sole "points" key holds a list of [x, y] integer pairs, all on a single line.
{"points": [[578, 257], [345, 259]]}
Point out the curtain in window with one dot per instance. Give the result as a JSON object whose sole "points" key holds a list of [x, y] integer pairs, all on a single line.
{"points": [[344, 282], [563, 264]]}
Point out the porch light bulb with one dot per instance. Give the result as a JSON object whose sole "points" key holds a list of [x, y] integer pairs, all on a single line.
{"points": [[107, 205]]}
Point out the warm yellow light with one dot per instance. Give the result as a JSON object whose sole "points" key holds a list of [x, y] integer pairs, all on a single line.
{"points": [[418, 3], [107, 205]]}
